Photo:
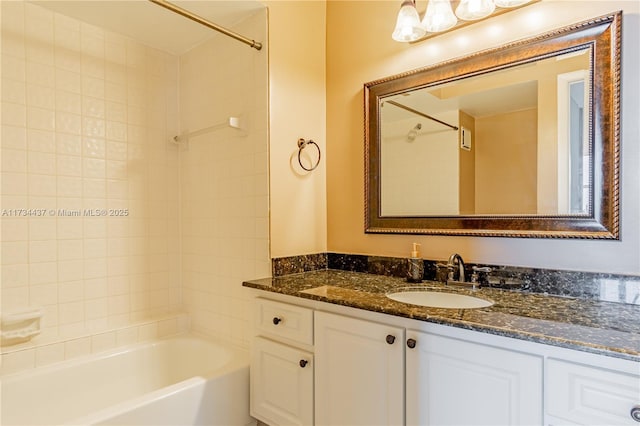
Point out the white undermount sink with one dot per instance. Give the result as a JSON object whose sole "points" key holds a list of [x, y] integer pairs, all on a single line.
{"points": [[437, 299]]}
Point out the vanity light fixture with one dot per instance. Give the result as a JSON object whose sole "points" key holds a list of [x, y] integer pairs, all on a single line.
{"points": [[439, 16], [471, 10], [408, 26], [510, 3]]}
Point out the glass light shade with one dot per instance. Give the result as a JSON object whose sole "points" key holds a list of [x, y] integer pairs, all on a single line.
{"points": [[408, 26], [470, 10], [510, 3], [439, 16]]}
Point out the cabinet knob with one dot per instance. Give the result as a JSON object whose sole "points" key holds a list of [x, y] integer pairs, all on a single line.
{"points": [[390, 339], [635, 412], [411, 343], [303, 363], [276, 320]]}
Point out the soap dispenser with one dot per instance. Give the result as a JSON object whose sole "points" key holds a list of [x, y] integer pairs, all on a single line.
{"points": [[415, 270]]}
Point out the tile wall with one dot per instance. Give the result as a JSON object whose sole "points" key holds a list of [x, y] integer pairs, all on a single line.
{"points": [[86, 119], [87, 122], [224, 180]]}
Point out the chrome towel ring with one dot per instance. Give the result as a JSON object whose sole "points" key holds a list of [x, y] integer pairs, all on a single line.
{"points": [[302, 144]]}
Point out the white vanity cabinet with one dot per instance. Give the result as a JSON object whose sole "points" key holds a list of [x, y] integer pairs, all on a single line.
{"points": [[456, 382], [597, 393], [359, 372], [282, 364], [365, 368]]}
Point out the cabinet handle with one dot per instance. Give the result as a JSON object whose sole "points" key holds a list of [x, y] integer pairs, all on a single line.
{"points": [[390, 339], [635, 412], [303, 363], [411, 343], [276, 320]]}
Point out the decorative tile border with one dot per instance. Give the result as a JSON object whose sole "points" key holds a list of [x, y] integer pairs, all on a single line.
{"points": [[587, 285]]}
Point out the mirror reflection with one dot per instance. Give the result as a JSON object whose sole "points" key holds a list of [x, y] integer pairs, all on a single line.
{"points": [[508, 142]]}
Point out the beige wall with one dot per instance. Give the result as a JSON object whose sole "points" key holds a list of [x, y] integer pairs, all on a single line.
{"points": [[360, 49], [297, 110], [506, 163]]}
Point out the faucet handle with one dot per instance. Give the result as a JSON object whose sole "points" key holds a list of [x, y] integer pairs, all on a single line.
{"points": [[477, 270]]}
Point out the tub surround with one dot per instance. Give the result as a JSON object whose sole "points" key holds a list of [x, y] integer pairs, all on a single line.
{"points": [[41, 352], [576, 323]]}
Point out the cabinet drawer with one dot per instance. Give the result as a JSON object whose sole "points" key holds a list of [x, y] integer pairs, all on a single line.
{"points": [[590, 395], [283, 320]]}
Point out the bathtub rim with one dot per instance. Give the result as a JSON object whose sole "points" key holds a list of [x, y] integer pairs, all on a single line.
{"points": [[239, 354]]}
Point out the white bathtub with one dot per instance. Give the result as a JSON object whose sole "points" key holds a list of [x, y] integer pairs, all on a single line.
{"points": [[184, 380]]}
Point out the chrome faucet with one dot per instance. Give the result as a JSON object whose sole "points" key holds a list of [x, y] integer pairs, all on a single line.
{"points": [[455, 262]]}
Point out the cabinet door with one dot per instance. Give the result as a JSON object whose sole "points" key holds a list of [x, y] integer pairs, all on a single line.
{"points": [[588, 395], [281, 383], [455, 382], [359, 372]]}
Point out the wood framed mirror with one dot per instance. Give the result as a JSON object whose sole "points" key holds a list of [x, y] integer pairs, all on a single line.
{"points": [[518, 141]]}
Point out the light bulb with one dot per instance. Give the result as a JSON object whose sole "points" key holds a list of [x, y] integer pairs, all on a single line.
{"points": [[408, 26], [471, 10], [510, 3], [439, 16]]}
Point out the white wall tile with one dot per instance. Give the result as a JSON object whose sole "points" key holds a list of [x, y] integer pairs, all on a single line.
{"points": [[42, 273], [39, 96], [14, 92], [70, 249], [40, 118], [70, 270], [70, 312], [103, 341], [41, 74], [14, 183], [13, 68], [14, 114], [49, 354], [14, 274], [68, 123], [41, 141], [43, 163], [72, 291], [77, 347], [13, 137], [43, 294], [43, 251], [42, 228], [17, 361], [84, 119], [96, 308], [127, 336]]}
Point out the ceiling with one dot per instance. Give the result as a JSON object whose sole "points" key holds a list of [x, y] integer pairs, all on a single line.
{"points": [[153, 25]]}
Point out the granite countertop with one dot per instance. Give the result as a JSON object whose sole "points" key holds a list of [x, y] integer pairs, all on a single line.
{"points": [[607, 328]]}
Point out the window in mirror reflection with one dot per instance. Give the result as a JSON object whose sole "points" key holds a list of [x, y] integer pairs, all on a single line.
{"points": [[527, 127]]}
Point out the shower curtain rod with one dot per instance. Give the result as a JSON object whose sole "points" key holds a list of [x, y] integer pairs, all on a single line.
{"points": [[421, 114], [180, 11]]}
